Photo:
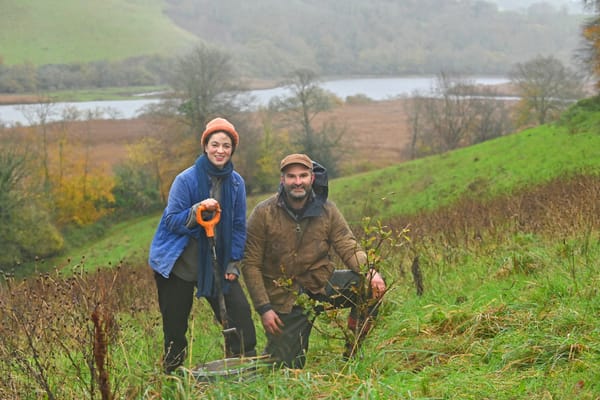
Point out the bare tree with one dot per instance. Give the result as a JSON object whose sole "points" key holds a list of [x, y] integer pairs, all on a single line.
{"points": [[414, 111], [25, 226], [205, 85], [592, 4], [546, 88], [41, 115], [455, 119], [446, 116], [456, 113], [493, 117], [307, 100]]}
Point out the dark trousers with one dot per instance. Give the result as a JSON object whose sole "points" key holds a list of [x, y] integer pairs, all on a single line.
{"points": [[175, 299], [290, 347]]}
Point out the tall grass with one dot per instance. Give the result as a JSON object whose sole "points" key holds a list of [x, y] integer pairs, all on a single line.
{"points": [[509, 307], [509, 310]]}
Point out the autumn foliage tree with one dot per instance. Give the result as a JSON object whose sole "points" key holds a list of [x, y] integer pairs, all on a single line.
{"points": [[591, 34], [265, 173], [80, 192]]}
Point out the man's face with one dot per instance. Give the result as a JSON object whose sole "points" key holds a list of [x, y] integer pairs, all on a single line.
{"points": [[297, 182]]}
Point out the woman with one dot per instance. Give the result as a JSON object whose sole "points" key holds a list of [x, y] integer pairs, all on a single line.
{"points": [[180, 255]]}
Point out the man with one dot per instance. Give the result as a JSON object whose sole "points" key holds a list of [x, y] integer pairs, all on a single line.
{"points": [[290, 237]]}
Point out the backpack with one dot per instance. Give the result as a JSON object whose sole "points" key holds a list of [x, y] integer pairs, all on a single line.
{"points": [[321, 183]]}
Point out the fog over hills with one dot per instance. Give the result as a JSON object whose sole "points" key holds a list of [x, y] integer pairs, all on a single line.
{"points": [[574, 6], [353, 37]]}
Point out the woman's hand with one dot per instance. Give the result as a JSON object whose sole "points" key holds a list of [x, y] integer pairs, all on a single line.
{"points": [[210, 204], [232, 272]]}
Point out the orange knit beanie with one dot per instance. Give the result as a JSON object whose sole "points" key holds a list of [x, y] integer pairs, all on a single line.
{"points": [[220, 125]]}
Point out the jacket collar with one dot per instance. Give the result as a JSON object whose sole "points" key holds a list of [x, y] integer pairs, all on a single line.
{"points": [[312, 208]]}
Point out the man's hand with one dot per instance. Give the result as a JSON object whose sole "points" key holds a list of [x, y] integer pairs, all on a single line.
{"points": [[377, 283], [272, 323]]}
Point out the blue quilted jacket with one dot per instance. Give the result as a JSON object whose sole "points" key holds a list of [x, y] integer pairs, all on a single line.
{"points": [[172, 236]]}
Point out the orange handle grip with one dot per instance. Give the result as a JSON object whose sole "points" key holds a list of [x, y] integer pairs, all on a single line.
{"points": [[209, 225]]}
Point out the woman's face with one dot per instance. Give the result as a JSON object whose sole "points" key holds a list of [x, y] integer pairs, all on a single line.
{"points": [[218, 149]]}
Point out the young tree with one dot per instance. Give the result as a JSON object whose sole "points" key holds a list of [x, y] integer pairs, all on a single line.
{"points": [[68, 116], [546, 88]]}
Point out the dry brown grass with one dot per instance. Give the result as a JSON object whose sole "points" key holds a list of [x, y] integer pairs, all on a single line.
{"points": [[562, 208], [376, 135]]}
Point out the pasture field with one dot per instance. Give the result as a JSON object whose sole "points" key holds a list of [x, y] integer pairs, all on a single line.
{"points": [[70, 31]]}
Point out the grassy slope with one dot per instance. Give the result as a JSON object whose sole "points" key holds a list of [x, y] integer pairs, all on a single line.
{"points": [[500, 319], [496, 167], [531, 157], [47, 32]]}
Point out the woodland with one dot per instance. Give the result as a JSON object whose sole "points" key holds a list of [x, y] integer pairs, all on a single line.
{"points": [[380, 37]]}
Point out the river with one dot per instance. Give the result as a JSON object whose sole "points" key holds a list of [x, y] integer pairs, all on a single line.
{"points": [[374, 88]]}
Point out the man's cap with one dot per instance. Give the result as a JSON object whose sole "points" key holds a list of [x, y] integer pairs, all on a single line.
{"points": [[301, 159], [220, 125]]}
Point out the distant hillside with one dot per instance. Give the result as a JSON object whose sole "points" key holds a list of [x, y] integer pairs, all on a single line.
{"points": [[380, 37], [67, 31], [270, 38]]}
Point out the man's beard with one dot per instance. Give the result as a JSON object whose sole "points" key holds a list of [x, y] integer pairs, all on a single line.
{"points": [[295, 195]]}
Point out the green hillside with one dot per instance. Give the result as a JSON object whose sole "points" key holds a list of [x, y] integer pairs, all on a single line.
{"points": [[494, 168], [509, 310], [60, 32]]}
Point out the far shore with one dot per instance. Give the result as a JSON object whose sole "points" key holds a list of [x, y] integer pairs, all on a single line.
{"points": [[131, 92]]}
